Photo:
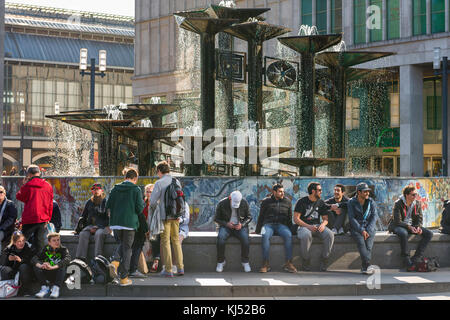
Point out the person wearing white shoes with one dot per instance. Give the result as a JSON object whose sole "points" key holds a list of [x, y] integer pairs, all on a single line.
{"points": [[50, 266], [337, 217], [232, 217]]}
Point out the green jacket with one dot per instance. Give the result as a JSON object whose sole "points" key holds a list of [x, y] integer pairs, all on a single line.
{"points": [[125, 204]]}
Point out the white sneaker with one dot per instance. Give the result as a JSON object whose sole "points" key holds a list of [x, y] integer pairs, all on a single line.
{"points": [[220, 266], [137, 274], [55, 292], [246, 266], [174, 269], [341, 231], [44, 291], [334, 230]]}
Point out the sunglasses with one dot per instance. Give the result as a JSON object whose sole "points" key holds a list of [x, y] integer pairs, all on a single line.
{"points": [[319, 190], [413, 194]]}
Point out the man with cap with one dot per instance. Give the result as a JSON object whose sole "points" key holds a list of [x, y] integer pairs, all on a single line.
{"points": [[233, 216], [362, 215], [96, 222]]}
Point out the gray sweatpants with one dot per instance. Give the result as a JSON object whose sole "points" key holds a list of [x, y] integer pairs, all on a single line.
{"points": [[83, 242], [306, 237], [126, 238]]}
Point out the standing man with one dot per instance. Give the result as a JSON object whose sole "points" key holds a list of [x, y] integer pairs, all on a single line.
{"points": [[125, 204], [37, 194], [307, 213], [362, 214], [275, 217], [170, 235], [338, 215], [233, 217], [407, 219]]}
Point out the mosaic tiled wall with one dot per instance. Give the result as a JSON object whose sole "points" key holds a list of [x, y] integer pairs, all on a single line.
{"points": [[203, 194]]}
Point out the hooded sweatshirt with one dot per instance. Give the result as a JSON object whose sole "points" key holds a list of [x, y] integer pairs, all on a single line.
{"points": [[37, 194], [125, 203]]}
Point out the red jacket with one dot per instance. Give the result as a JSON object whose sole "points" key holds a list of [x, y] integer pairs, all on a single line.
{"points": [[37, 194]]}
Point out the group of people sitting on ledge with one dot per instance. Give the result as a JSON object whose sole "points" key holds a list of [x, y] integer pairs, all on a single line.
{"points": [[28, 247], [314, 217]]}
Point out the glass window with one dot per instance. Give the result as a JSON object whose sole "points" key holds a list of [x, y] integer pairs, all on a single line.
{"points": [[321, 16], [336, 16], [359, 13], [419, 17], [376, 34], [352, 113], [393, 19], [437, 16], [394, 110], [432, 111], [307, 12]]}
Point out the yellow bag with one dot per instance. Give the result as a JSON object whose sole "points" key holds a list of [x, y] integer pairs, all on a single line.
{"points": [[142, 265]]}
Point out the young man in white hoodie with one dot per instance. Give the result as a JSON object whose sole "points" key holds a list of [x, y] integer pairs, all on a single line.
{"points": [[407, 219]]}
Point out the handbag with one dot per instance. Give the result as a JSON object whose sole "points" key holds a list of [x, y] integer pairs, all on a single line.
{"points": [[9, 288], [142, 264]]}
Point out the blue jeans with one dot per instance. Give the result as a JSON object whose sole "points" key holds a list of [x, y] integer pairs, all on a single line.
{"points": [[268, 230], [403, 234], [364, 246], [222, 237]]}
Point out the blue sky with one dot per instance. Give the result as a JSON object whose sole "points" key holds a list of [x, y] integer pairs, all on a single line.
{"points": [[120, 7]]}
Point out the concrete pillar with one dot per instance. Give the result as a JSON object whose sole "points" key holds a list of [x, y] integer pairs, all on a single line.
{"points": [[428, 16], [328, 16], [406, 18], [347, 23], [314, 12], [411, 121], [447, 14]]}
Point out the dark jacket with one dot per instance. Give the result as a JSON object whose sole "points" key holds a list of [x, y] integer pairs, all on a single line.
{"points": [[445, 219], [223, 213], [126, 204], [60, 256], [95, 215], [399, 213], [356, 215], [37, 194], [274, 211], [56, 217], [9, 218], [26, 254]]}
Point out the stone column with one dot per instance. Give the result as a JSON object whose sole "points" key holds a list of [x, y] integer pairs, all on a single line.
{"points": [[347, 23], [428, 16], [406, 18], [411, 121]]}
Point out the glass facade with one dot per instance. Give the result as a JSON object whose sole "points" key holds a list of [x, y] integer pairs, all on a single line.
{"points": [[437, 16], [336, 16], [419, 17], [321, 16], [359, 14], [35, 89], [307, 12], [393, 19]]}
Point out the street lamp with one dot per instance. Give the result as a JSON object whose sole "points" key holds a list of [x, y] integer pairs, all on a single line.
{"points": [[444, 73], [92, 73], [57, 133], [22, 127]]}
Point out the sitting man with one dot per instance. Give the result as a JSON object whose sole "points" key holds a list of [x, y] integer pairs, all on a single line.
{"points": [[275, 217], [233, 216], [407, 219], [362, 214], [96, 223], [337, 219], [307, 213]]}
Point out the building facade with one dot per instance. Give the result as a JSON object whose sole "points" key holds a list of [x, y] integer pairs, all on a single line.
{"points": [[393, 127], [42, 54]]}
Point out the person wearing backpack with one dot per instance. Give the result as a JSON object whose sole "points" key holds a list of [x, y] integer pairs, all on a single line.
{"points": [[125, 203], [362, 215], [169, 215], [407, 219]]}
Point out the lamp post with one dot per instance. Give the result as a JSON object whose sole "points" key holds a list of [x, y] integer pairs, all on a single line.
{"points": [[22, 127], [444, 73], [56, 133], [92, 73]]}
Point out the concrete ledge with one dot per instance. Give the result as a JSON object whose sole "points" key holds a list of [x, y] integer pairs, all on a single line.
{"points": [[199, 251]]}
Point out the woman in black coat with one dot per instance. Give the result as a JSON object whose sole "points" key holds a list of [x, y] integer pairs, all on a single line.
{"points": [[8, 216], [16, 257]]}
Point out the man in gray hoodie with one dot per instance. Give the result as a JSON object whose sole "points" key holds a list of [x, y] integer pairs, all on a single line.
{"points": [[171, 224]]}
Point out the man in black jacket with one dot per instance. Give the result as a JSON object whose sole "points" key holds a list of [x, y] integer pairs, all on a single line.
{"points": [[337, 218], [8, 216], [275, 217], [233, 216]]}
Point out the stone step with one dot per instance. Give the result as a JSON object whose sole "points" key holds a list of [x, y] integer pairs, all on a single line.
{"points": [[272, 284]]}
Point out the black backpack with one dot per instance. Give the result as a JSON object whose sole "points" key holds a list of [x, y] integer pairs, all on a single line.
{"points": [[174, 202], [85, 270], [100, 269]]}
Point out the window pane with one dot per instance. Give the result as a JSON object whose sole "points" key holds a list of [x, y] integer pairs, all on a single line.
{"points": [[437, 16], [307, 12], [359, 21], [419, 17], [336, 16], [393, 19]]}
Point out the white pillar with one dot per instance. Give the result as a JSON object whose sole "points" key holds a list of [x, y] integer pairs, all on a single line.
{"points": [[411, 121]]}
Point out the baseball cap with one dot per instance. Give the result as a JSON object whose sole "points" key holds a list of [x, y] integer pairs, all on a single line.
{"points": [[236, 197], [96, 186], [362, 187]]}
